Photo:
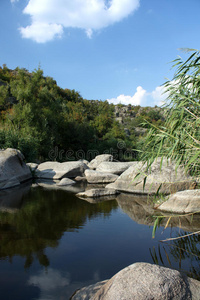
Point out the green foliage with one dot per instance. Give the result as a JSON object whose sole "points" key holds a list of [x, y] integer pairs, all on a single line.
{"points": [[179, 137]]}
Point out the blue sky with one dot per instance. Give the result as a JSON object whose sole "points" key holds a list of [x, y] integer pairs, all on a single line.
{"points": [[119, 50]]}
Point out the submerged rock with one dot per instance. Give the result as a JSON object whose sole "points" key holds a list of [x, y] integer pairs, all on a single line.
{"points": [[187, 201], [142, 281], [167, 179], [13, 169]]}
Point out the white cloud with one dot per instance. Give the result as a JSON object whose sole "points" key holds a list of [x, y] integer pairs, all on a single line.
{"points": [[142, 97], [89, 15], [13, 1], [137, 99]]}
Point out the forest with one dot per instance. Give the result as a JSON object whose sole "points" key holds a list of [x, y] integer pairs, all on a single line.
{"points": [[47, 122]]}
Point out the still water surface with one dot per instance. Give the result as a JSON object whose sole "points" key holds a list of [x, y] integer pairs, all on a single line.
{"points": [[52, 243]]}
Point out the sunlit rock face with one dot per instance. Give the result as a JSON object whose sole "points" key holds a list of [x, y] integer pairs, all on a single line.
{"points": [[143, 281], [93, 176], [163, 177], [13, 170]]}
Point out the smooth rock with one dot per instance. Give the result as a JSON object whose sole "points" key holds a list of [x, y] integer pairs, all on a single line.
{"points": [[95, 193], [13, 169], [66, 181], [98, 159], [141, 281], [114, 167], [88, 292], [167, 180], [183, 202], [56, 170], [93, 176]]}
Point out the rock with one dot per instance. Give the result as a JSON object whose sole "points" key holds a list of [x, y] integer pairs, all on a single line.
{"points": [[66, 181], [88, 292], [167, 180], [183, 202], [13, 169], [100, 177], [142, 281], [56, 170], [32, 166], [95, 193], [114, 167], [80, 178], [98, 159]]}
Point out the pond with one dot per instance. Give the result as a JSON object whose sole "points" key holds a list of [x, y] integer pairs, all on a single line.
{"points": [[53, 243]]}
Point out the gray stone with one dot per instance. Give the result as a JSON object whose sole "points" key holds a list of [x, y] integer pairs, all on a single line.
{"points": [[88, 292], [167, 180], [114, 167], [56, 170], [183, 202], [95, 193], [93, 176], [32, 166], [142, 281], [98, 159], [66, 181], [13, 169]]}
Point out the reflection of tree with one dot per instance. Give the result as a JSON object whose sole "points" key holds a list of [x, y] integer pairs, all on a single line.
{"points": [[184, 251], [41, 222]]}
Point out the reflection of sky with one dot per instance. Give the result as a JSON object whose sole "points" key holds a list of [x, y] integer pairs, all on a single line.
{"points": [[55, 285]]}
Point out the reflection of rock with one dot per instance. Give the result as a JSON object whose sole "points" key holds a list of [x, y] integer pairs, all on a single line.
{"points": [[143, 281], [182, 202], [12, 199], [13, 169], [168, 180], [137, 207], [100, 177], [140, 209], [56, 170], [52, 184]]}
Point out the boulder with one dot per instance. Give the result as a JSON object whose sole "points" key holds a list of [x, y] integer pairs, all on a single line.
{"points": [[98, 159], [66, 181], [13, 169], [114, 167], [183, 202], [56, 170], [167, 179], [93, 176], [95, 193], [144, 281]]}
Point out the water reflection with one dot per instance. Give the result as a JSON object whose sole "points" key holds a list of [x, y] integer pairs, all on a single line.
{"points": [[44, 216]]}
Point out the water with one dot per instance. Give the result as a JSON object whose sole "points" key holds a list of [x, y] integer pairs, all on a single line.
{"points": [[52, 243]]}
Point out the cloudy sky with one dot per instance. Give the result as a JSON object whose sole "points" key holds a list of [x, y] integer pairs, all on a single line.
{"points": [[119, 50]]}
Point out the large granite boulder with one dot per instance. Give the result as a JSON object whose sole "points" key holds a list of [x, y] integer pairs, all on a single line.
{"points": [[13, 169], [183, 202], [56, 170], [167, 179], [142, 281], [114, 167], [93, 176], [99, 159]]}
